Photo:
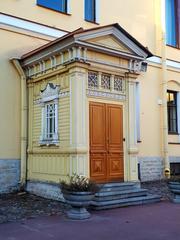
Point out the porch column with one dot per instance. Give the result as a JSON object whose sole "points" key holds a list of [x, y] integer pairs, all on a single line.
{"points": [[78, 122], [132, 173]]}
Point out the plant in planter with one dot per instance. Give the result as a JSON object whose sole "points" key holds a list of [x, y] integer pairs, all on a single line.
{"points": [[78, 191], [174, 186]]}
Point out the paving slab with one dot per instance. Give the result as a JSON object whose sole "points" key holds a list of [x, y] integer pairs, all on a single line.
{"points": [[160, 221]]}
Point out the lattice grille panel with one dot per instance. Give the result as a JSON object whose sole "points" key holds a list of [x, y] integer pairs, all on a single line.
{"points": [[92, 79], [105, 81], [118, 84]]}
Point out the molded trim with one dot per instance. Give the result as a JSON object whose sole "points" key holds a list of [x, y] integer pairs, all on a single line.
{"points": [[30, 26]]}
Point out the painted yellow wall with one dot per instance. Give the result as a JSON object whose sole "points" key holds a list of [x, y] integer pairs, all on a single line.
{"points": [[142, 20], [12, 45], [150, 115], [174, 84], [150, 124], [140, 23]]}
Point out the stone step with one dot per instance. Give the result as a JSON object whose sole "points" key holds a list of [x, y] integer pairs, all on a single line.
{"points": [[125, 202], [109, 187], [174, 190], [176, 199], [174, 186], [108, 196]]}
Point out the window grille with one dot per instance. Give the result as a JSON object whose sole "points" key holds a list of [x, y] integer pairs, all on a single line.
{"points": [[92, 79], [105, 81], [50, 121], [118, 83]]}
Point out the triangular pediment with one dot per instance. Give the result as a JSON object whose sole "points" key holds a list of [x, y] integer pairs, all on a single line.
{"points": [[110, 42], [112, 37]]}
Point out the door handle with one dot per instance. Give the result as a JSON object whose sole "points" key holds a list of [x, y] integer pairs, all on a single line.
{"points": [[124, 139]]}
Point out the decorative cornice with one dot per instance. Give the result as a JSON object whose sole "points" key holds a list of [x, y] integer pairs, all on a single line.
{"points": [[109, 95], [60, 95], [30, 26], [56, 60]]}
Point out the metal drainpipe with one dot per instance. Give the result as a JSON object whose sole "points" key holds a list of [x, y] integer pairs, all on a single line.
{"points": [[164, 95], [23, 174]]}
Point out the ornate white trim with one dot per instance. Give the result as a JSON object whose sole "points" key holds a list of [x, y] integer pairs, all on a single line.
{"points": [[109, 95], [61, 95], [51, 92]]}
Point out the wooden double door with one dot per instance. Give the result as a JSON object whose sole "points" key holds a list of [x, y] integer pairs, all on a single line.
{"points": [[106, 142]]}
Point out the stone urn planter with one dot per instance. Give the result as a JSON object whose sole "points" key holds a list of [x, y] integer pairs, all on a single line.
{"points": [[79, 201], [175, 189], [78, 192]]}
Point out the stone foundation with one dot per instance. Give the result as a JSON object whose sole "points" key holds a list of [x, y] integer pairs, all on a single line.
{"points": [[45, 189], [9, 175], [151, 168]]}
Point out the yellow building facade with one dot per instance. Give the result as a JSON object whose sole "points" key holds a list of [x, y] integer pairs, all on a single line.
{"points": [[87, 96]]}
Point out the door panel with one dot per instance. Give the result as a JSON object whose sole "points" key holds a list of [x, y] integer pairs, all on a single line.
{"points": [[114, 128], [115, 142], [106, 142], [115, 169], [98, 166], [98, 152], [97, 129]]}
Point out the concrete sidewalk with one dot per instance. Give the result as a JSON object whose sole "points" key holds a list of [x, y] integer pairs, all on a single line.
{"points": [[148, 222]]}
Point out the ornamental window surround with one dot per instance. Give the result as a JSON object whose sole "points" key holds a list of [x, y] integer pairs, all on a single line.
{"points": [[49, 115]]}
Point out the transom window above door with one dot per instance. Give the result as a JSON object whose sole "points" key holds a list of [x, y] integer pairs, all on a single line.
{"points": [[57, 5], [106, 82]]}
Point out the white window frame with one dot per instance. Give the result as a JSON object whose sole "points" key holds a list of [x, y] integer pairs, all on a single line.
{"points": [[68, 7], [97, 11], [49, 96]]}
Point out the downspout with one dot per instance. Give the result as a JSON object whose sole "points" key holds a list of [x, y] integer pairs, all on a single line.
{"points": [[23, 86], [164, 93]]}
